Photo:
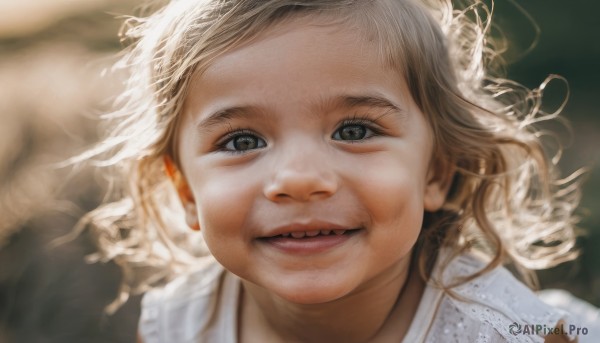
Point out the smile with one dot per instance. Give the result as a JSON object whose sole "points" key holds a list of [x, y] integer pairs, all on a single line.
{"points": [[313, 233], [310, 242]]}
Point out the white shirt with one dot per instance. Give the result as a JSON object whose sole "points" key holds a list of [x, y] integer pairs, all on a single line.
{"points": [[202, 306]]}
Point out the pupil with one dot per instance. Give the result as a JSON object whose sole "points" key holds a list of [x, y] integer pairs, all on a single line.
{"points": [[353, 132], [244, 143]]}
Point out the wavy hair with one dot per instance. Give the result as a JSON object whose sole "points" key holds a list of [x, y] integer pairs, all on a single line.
{"points": [[506, 198]]}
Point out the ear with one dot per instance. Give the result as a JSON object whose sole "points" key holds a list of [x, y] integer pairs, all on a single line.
{"points": [[185, 193], [439, 179]]}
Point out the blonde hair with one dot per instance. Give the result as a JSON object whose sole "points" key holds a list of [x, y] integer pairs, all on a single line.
{"points": [[505, 200]]}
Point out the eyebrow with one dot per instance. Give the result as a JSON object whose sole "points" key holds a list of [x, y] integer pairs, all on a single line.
{"points": [[374, 101], [224, 115], [349, 101]]}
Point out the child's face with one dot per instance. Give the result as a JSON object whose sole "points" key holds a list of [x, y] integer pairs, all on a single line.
{"points": [[305, 129]]}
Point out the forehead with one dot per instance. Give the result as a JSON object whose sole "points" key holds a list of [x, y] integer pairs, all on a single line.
{"points": [[299, 45], [296, 62]]}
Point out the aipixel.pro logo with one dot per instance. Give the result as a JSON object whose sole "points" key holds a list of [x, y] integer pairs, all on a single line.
{"points": [[544, 330]]}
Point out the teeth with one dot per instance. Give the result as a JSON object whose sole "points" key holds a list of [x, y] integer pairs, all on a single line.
{"points": [[312, 233], [299, 234]]}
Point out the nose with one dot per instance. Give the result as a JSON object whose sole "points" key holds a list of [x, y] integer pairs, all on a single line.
{"points": [[304, 175]]}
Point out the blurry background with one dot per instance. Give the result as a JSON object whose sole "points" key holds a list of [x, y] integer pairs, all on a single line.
{"points": [[52, 53]]}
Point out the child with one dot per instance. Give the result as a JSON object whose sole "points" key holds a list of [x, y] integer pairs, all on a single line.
{"points": [[352, 171]]}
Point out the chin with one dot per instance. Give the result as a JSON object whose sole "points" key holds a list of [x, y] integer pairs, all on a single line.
{"points": [[307, 293], [309, 298]]}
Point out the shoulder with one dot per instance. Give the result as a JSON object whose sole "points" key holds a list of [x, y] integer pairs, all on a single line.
{"points": [[187, 308], [199, 282], [495, 307], [587, 316]]}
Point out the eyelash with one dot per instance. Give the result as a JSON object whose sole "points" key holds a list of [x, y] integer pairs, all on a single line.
{"points": [[363, 120], [229, 136], [355, 120]]}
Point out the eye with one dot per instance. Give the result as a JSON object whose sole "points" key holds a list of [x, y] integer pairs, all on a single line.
{"points": [[242, 141], [353, 132]]}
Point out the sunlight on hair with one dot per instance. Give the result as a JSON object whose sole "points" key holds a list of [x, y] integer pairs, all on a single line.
{"points": [[507, 199]]}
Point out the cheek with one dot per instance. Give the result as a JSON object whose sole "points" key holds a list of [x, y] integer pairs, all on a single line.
{"points": [[393, 189], [223, 201], [223, 205], [396, 207]]}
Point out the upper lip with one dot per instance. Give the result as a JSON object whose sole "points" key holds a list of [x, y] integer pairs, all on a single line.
{"points": [[305, 226]]}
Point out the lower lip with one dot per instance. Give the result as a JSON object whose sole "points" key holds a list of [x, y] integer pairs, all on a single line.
{"points": [[309, 245]]}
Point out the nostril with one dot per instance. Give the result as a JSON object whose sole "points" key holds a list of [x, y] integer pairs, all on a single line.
{"points": [[305, 185]]}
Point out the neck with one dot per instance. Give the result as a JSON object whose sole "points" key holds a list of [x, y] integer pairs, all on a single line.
{"points": [[384, 307]]}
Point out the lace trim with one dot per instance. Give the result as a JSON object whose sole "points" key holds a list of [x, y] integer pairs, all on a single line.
{"points": [[492, 304]]}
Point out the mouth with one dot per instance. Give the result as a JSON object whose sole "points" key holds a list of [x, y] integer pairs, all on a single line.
{"points": [[314, 233], [310, 242]]}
